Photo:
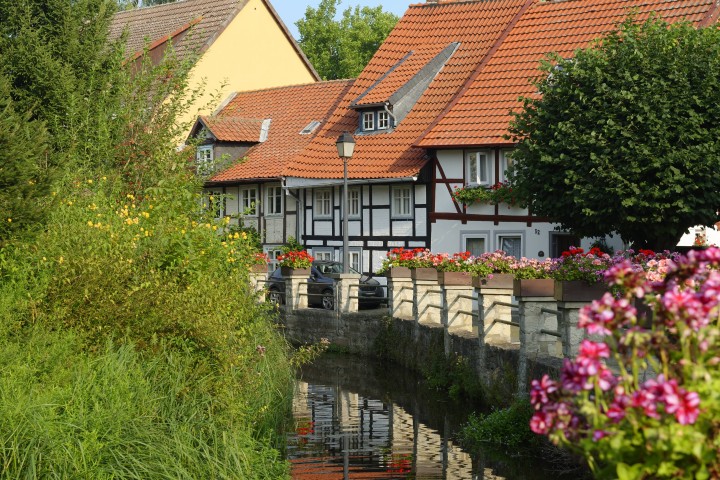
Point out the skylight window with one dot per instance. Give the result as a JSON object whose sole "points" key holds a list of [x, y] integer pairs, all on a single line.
{"points": [[310, 128]]}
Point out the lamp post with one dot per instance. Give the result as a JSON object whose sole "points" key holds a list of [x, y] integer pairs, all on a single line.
{"points": [[345, 147]]}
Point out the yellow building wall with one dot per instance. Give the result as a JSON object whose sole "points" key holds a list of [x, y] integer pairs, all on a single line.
{"points": [[252, 53]]}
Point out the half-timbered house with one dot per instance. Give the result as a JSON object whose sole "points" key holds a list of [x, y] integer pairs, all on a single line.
{"points": [[243, 148]]}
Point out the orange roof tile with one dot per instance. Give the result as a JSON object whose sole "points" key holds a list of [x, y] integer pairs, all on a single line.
{"points": [[233, 129], [289, 110], [480, 116], [425, 30]]}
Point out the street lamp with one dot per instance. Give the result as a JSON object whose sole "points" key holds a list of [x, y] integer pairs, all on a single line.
{"points": [[345, 147]]}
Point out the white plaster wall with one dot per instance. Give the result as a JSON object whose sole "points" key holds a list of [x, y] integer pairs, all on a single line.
{"points": [[402, 228], [323, 227], [452, 164], [381, 222]]}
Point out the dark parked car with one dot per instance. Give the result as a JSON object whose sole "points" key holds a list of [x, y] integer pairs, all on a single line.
{"points": [[321, 287]]}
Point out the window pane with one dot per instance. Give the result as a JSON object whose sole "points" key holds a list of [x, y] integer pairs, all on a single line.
{"points": [[354, 203], [368, 121], [511, 246], [483, 167], [476, 246], [472, 159]]}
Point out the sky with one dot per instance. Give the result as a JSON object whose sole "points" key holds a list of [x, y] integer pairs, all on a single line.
{"points": [[293, 10]]}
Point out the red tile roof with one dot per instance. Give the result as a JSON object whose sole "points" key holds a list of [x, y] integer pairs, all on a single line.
{"points": [[480, 115], [194, 24], [233, 129], [290, 110], [425, 30]]}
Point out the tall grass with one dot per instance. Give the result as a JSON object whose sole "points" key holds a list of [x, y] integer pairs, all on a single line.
{"points": [[116, 414]]}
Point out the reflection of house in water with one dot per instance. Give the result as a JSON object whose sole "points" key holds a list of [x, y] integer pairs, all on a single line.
{"points": [[352, 436]]}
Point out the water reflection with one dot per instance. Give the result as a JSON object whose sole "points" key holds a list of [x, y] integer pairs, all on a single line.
{"points": [[357, 419]]}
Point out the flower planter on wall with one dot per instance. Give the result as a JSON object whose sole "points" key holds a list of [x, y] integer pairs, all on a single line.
{"points": [[497, 281], [295, 272], [578, 291], [424, 273], [533, 287], [259, 268], [399, 272], [455, 278]]}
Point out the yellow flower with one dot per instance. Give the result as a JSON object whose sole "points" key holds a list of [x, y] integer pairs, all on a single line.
{"points": [[104, 178], [214, 227], [130, 196], [146, 214], [236, 236], [244, 236], [90, 181], [61, 260], [9, 220], [182, 231], [90, 223]]}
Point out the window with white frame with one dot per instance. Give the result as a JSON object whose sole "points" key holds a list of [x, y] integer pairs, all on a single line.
{"points": [[475, 245], [272, 253], [479, 168], [248, 200], [323, 253], [368, 120], [215, 202], [506, 162], [354, 202], [323, 203], [204, 159], [383, 120], [510, 244], [401, 202], [273, 200], [355, 260]]}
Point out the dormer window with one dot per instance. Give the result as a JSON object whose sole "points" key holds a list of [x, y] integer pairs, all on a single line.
{"points": [[368, 121], [373, 120]]}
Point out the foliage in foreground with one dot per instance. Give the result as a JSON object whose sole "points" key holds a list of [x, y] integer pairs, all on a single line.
{"points": [[657, 417], [625, 137], [130, 343]]}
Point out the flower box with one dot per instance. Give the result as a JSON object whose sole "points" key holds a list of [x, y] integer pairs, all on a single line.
{"points": [[294, 272], [533, 287], [497, 281], [399, 272], [578, 291], [424, 273], [455, 278], [259, 268]]}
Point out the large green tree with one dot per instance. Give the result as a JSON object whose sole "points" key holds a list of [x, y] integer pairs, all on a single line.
{"points": [[624, 137], [341, 49]]}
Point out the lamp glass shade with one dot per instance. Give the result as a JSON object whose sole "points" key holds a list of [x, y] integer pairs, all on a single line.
{"points": [[345, 145]]}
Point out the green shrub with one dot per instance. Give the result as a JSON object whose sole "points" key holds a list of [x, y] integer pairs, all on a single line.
{"points": [[507, 427]]}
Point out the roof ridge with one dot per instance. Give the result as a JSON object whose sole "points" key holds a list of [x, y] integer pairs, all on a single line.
{"points": [[298, 85], [486, 58]]}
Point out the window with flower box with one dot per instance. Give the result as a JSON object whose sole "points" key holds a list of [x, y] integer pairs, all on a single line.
{"points": [[479, 167], [510, 244]]}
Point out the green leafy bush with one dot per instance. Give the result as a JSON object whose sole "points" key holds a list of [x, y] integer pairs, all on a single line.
{"points": [[508, 427]]}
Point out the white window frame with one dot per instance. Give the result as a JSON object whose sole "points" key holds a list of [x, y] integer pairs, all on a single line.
{"points": [[368, 120], [215, 202], [204, 159], [323, 203], [383, 120], [323, 253], [355, 259], [273, 192], [396, 204], [499, 241], [473, 164], [464, 237], [354, 203], [505, 162], [248, 203], [272, 251]]}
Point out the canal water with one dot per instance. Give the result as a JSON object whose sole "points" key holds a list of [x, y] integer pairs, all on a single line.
{"points": [[359, 419]]}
